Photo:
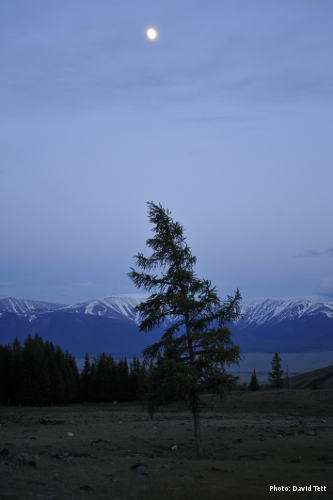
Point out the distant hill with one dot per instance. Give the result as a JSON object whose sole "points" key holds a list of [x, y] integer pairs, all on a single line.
{"points": [[316, 379], [111, 324]]}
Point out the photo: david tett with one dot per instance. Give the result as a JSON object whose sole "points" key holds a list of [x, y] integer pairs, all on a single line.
{"points": [[299, 489]]}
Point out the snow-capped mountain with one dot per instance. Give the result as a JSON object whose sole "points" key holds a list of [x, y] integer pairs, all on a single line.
{"points": [[273, 311], [24, 307], [113, 307], [111, 325]]}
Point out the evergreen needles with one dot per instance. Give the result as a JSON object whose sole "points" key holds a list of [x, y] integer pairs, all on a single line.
{"points": [[196, 335]]}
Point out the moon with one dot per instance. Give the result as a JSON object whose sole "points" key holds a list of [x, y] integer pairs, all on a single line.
{"points": [[152, 33]]}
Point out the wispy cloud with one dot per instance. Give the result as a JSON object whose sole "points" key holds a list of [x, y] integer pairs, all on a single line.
{"points": [[84, 284], [326, 287], [217, 118], [6, 284], [315, 253]]}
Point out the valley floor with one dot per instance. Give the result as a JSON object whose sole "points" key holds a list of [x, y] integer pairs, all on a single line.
{"points": [[253, 441]]}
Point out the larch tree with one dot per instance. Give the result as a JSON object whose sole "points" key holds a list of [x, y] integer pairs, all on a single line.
{"points": [[194, 318], [275, 376]]}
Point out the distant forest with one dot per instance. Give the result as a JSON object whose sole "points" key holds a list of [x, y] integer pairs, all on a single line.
{"points": [[39, 373]]}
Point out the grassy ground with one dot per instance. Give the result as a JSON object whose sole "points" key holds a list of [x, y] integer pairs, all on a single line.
{"points": [[252, 440]]}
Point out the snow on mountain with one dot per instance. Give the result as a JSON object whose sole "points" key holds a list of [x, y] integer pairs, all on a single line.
{"points": [[23, 307], [255, 312], [273, 311], [110, 324], [113, 307]]}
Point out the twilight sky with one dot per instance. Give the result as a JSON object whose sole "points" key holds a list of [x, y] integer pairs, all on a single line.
{"points": [[226, 120]]}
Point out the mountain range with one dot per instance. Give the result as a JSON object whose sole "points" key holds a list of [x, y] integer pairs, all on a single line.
{"points": [[111, 325]]}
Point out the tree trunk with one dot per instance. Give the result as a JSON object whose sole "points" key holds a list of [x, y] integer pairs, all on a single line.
{"points": [[195, 399], [197, 432]]}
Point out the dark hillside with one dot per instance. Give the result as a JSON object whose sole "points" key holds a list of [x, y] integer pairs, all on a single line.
{"points": [[316, 379]]}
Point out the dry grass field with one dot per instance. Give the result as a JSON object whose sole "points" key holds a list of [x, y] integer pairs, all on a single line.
{"points": [[252, 441]]}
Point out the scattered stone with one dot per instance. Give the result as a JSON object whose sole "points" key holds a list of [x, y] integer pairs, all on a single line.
{"points": [[135, 466], [115, 402], [141, 468], [49, 421], [78, 454], [61, 456], [106, 460], [70, 434], [323, 420], [174, 447], [260, 454], [25, 459], [4, 452], [191, 477], [311, 433], [240, 440], [86, 487], [215, 469], [97, 441], [279, 436]]}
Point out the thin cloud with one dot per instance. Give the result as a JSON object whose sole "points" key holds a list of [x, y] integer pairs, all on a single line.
{"points": [[84, 284], [5, 284], [326, 287], [217, 118], [315, 253]]}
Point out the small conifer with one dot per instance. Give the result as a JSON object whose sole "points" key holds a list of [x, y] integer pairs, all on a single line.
{"points": [[254, 384]]}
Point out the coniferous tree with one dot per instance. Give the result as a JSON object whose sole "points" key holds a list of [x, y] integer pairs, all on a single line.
{"points": [[85, 379], [53, 373], [72, 378], [93, 380], [286, 379], [112, 370], [15, 380], [102, 378], [254, 384], [122, 380], [40, 374], [36, 379], [198, 337], [61, 378], [134, 379], [167, 377], [5, 372], [275, 376]]}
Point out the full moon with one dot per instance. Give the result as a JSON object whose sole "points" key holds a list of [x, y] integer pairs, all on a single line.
{"points": [[152, 33]]}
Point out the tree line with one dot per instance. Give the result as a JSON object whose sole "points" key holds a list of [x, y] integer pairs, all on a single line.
{"points": [[39, 373]]}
